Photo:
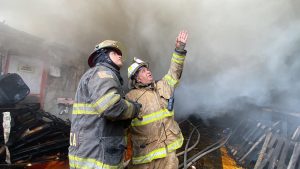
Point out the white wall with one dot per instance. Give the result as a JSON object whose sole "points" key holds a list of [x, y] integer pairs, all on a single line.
{"points": [[30, 69]]}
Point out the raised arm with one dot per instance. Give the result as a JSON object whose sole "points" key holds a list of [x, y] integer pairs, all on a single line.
{"points": [[174, 74]]}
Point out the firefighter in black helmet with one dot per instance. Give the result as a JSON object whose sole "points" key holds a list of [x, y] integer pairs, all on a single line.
{"points": [[100, 112]]}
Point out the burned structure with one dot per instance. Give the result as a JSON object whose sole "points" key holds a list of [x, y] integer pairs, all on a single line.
{"points": [[37, 83], [261, 138], [28, 134], [49, 69], [270, 141]]}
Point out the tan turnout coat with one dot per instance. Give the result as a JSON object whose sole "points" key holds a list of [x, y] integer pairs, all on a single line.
{"points": [[157, 134]]}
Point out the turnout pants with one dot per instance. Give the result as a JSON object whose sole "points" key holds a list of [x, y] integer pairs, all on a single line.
{"points": [[169, 162]]}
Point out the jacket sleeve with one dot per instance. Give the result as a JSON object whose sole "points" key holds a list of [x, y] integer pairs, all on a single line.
{"points": [[174, 74], [106, 99]]}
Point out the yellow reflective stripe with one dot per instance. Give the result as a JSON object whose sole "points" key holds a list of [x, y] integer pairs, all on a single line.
{"points": [[113, 100], [152, 117], [79, 166], [84, 112], [176, 144], [177, 61], [104, 98], [129, 108], [79, 105], [170, 80], [158, 153], [83, 108], [89, 163], [178, 58], [99, 106], [130, 69]]}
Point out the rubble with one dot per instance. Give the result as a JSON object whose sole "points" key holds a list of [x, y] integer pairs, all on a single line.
{"points": [[267, 143], [29, 134]]}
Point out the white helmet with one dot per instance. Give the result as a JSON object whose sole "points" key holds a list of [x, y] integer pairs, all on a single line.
{"points": [[137, 63]]}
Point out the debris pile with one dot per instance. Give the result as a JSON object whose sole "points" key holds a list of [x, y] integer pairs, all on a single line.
{"points": [[267, 143], [28, 134]]}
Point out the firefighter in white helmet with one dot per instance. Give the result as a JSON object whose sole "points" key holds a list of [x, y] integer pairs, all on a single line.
{"points": [[156, 135], [100, 112]]}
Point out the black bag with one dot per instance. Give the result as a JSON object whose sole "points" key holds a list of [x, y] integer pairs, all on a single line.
{"points": [[12, 89]]}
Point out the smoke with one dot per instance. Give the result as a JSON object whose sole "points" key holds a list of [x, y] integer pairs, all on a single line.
{"points": [[251, 59], [239, 52]]}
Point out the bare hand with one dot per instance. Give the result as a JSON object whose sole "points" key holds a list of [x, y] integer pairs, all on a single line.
{"points": [[181, 38]]}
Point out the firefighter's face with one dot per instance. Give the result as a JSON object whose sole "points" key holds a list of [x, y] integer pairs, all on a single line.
{"points": [[144, 76], [116, 58]]}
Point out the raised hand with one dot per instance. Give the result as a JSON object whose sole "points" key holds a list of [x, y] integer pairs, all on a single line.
{"points": [[181, 39]]}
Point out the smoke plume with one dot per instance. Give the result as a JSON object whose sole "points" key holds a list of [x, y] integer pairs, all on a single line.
{"points": [[238, 51]]}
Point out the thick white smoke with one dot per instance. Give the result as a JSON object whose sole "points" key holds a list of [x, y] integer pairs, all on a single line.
{"points": [[238, 51]]}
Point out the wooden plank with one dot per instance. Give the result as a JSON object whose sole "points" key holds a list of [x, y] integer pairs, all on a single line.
{"points": [[266, 159], [296, 134], [251, 131], [295, 156], [249, 135], [262, 153], [276, 154], [253, 147], [283, 155], [252, 140]]}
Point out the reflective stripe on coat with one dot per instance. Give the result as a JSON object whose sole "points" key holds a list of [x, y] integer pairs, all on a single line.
{"points": [[100, 115], [157, 134]]}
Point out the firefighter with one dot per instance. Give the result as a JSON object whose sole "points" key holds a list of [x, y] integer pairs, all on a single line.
{"points": [[100, 112], [156, 135]]}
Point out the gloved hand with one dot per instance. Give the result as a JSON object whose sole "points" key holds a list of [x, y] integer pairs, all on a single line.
{"points": [[180, 46], [181, 41], [137, 108]]}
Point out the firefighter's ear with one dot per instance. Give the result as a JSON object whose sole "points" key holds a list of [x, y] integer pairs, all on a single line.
{"points": [[138, 79]]}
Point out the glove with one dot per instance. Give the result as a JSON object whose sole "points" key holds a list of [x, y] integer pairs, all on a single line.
{"points": [[137, 107], [180, 48]]}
